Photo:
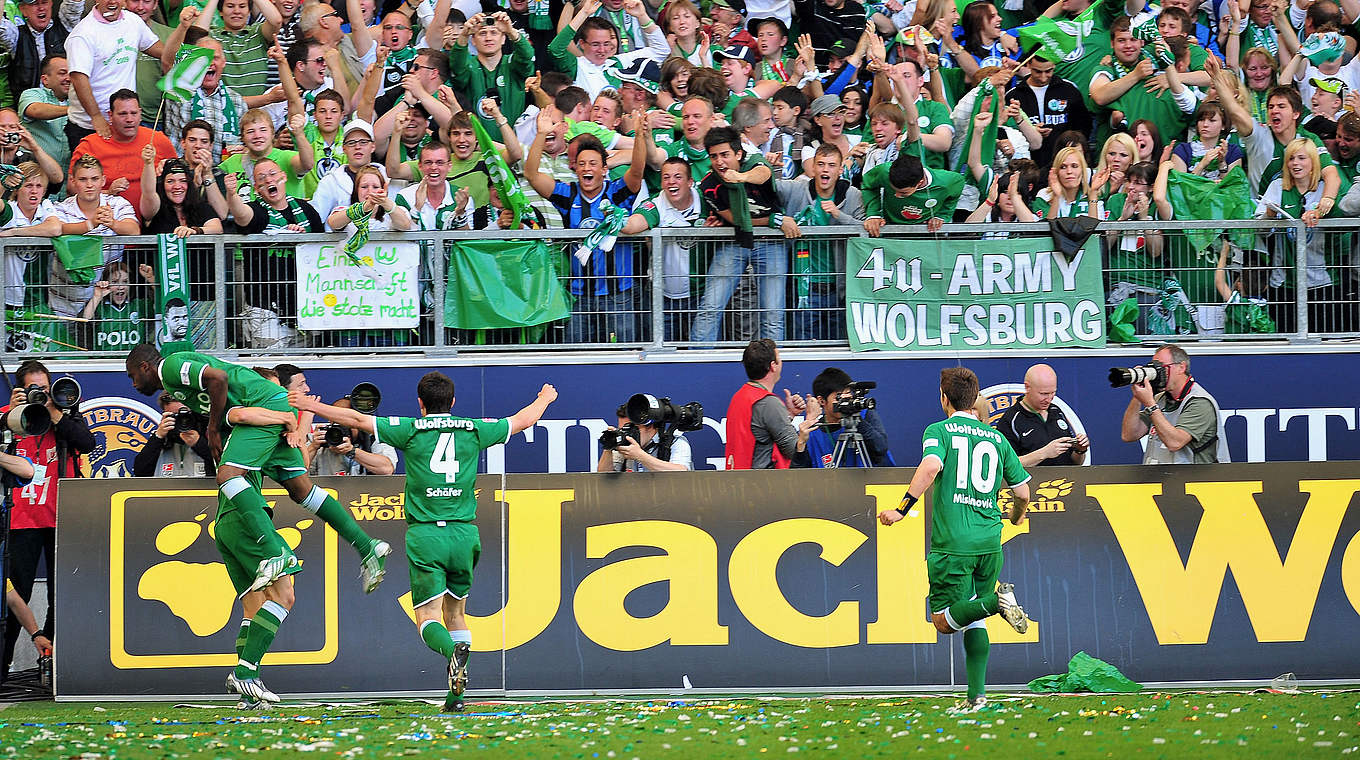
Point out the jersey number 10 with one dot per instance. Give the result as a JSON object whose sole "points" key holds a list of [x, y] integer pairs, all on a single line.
{"points": [[982, 473]]}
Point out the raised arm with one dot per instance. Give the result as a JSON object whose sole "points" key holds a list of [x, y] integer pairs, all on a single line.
{"points": [[306, 154], [542, 184], [337, 414], [150, 201], [1226, 85], [358, 28], [270, 18], [641, 148], [531, 414]]}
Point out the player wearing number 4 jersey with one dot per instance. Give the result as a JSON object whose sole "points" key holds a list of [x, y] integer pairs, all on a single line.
{"points": [[968, 462], [442, 544]]}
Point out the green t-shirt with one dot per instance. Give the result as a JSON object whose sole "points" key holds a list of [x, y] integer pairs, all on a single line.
{"points": [[936, 201], [235, 164], [977, 462], [148, 74], [929, 116], [441, 462], [1138, 103], [182, 377], [1043, 207], [608, 137], [327, 157], [1129, 260], [120, 327], [246, 69]]}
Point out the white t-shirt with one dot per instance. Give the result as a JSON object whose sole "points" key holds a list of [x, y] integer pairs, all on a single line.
{"points": [[334, 190], [17, 258], [675, 250], [107, 54], [65, 297]]}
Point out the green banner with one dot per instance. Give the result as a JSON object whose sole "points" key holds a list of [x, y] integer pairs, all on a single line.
{"points": [[972, 294], [173, 334], [495, 284]]}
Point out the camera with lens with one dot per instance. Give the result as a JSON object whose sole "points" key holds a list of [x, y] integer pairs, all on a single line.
{"points": [[13, 138], [855, 399], [364, 399], [32, 417], [1152, 373], [646, 409], [185, 420], [612, 439]]}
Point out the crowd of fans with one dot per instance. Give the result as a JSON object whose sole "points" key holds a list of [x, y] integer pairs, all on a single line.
{"points": [[625, 115]]}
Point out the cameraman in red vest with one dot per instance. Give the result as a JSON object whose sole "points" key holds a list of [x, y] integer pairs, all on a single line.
{"points": [[760, 430]]}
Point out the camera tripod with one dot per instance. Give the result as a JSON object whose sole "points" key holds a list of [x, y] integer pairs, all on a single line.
{"points": [[850, 437]]}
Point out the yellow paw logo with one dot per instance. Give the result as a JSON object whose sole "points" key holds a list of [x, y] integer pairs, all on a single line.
{"points": [[1049, 495], [165, 572], [199, 593]]}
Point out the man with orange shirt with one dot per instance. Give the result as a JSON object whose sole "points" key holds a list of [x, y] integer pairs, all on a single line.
{"points": [[121, 152]]}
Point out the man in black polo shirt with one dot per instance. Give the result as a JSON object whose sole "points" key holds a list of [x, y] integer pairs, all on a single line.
{"points": [[1039, 431]]}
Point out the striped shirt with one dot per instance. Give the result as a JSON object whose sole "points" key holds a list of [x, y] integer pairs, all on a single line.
{"points": [[246, 70]]}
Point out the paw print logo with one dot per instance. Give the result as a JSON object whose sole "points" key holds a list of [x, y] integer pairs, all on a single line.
{"points": [[1049, 495], [199, 593]]}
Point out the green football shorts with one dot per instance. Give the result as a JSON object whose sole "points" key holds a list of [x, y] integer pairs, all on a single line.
{"points": [[242, 547], [262, 449], [958, 577], [441, 559]]}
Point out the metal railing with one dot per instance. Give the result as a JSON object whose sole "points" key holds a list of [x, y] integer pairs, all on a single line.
{"points": [[685, 287]]}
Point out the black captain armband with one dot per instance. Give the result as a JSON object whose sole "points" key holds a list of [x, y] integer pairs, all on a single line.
{"points": [[908, 501]]}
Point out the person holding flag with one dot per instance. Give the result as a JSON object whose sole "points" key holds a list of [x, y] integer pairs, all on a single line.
{"points": [[194, 90]]}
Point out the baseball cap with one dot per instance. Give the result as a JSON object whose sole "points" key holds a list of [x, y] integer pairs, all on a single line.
{"points": [[643, 72], [358, 125], [736, 5], [1334, 85], [841, 48], [826, 104], [739, 52]]}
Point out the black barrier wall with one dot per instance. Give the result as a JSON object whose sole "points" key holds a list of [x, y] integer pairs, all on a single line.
{"points": [[751, 580]]}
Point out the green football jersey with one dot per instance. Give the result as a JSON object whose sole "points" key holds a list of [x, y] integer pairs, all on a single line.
{"points": [[119, 327], [977, 462], [937, 200], [441, 462], [182, 377]]}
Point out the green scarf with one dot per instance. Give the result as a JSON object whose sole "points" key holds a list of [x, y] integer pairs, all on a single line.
{"points": [[1260, 36], [605, 234], [988, 147], [741, 214], [812, 216], [231, 120], [361, 219]]}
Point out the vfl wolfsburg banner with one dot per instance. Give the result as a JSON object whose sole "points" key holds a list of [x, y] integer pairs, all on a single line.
{"points": [[962, 294], [173, 333]]}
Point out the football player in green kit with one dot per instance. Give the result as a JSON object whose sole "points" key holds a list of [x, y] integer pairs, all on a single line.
{"points": [[968, 462], [255, 414], [442, 544]]}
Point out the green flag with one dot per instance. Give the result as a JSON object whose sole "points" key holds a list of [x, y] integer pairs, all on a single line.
{"points": [[1053, 42], [506, 185], [82, 256], [173, 274], [191, 65], [988, 147], [1194, 197], [495, 284]]}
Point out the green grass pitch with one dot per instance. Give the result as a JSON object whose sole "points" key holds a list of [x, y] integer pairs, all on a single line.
{"points": [[1148, 725]]}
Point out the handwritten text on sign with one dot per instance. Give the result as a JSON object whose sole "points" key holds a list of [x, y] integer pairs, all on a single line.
{"points": [[382, 291]]}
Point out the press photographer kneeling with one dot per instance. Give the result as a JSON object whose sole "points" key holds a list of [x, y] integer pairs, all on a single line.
{"points": [[178, 447], [338, 450], [847, 410], [648, 437]]}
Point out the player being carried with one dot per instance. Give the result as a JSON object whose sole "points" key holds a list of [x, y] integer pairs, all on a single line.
{"points": [[442, 544], [965, 537], [255, 415]]}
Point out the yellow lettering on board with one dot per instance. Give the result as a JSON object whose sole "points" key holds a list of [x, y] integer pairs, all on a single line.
{"points": [[900, 549], [689, 568], [755, 588]]}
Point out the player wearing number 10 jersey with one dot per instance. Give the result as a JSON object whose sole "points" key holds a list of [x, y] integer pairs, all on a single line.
{"points": [[442, 544], [969, 462]]}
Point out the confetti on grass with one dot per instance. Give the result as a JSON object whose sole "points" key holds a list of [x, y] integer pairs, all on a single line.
{"points": [[1165, 725]]}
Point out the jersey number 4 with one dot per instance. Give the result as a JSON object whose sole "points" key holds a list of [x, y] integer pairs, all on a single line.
{"points": [[445, 459], [982, 472]]}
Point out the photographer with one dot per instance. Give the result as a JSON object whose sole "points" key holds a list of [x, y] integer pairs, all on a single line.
{"points": [[1039, 431], [641, 449], [337, 450], [1182, 421], [172, 451], [55, 454], [817, 445]]}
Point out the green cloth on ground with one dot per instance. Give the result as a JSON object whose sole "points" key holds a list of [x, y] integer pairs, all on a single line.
{"points": [[1085, 673]]}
